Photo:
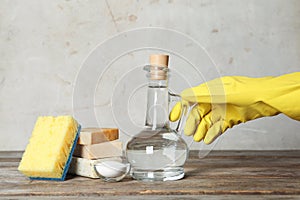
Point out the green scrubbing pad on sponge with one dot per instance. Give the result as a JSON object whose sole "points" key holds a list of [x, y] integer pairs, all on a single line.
{"points": [[49, 152]]}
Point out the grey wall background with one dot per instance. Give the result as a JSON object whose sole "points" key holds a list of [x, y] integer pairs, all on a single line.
{"points": [[43, 44]]}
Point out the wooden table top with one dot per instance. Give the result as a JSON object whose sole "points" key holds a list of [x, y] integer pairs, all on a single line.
{"points": [[220, 175]]}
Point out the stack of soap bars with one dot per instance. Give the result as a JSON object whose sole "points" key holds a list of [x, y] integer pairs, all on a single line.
{"points": [[94, 144]]}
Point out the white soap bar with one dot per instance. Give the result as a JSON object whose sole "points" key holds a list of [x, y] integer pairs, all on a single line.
{"points": [[111, 168], [83, 167]]}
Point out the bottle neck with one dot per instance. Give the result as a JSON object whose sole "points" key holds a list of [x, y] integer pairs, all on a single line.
{"points": [[157, 104]]}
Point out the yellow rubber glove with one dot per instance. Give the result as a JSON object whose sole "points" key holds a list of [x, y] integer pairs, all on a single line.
{"points": [[222, 103]]}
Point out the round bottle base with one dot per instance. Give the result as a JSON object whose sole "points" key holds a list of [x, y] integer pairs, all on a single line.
{"points": [[167, 174]]}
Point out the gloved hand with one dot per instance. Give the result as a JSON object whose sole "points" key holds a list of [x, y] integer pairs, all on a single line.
{"points": [[225, 102]]}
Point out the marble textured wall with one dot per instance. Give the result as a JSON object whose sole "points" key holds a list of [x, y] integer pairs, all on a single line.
{"points": [[44, 43]]}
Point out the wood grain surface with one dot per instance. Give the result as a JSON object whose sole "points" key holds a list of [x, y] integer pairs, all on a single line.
{"points": [[220, 175]]}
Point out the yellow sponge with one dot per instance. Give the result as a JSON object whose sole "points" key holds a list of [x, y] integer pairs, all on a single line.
{"points": [[49, 152]]}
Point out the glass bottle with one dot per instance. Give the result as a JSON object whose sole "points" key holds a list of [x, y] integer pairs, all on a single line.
{"points": [[157, 153]]}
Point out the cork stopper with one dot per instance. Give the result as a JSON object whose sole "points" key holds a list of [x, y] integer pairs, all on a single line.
{"points": [[159, 60], [158, 63]]}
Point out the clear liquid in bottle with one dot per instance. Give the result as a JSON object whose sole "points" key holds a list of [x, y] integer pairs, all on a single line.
{"points": [[157, 153]]}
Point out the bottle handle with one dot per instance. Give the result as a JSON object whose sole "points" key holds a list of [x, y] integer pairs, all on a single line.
{"points": [[184, 111], [203, 149]]}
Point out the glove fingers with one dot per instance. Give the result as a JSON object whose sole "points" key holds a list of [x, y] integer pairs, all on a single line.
{"points": [[192, 122], [214, 131], [218, 112], [175, 112], [204, 109], [210, 115], [202, 128]]}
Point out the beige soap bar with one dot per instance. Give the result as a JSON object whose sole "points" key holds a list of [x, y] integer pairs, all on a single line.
{"points": [[101, 150], [83, 167], [97, 135]]}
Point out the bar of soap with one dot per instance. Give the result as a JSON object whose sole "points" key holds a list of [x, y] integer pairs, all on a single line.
{"points": [[83, 167], [101, 150], [97, 135]]}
